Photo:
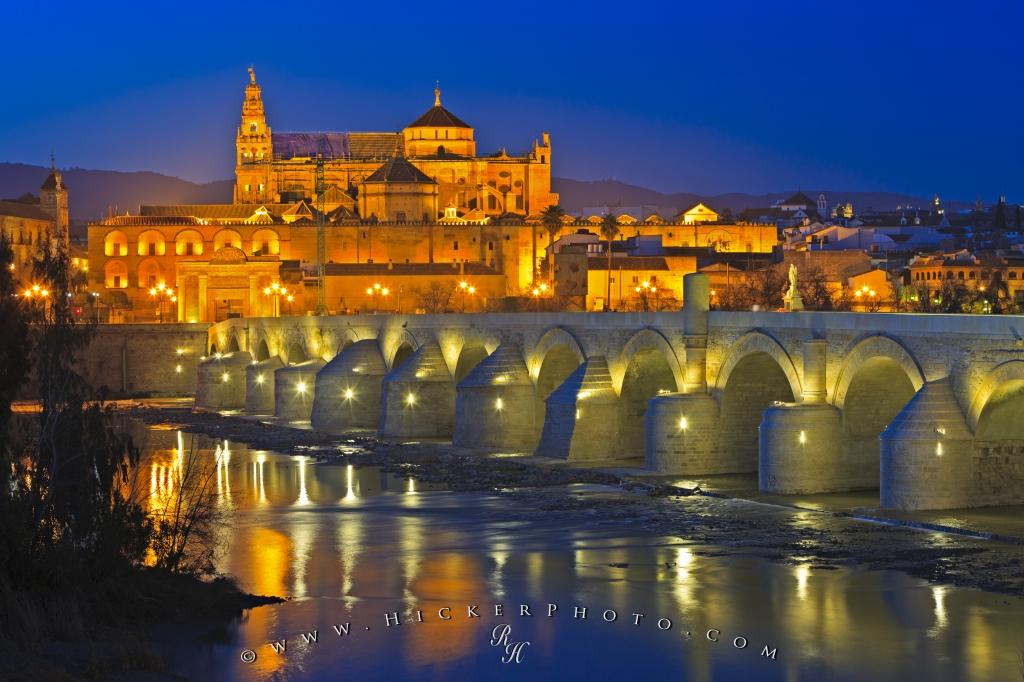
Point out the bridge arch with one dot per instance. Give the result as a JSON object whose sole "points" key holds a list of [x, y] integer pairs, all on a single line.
{"points": [[649, 366], [262, 350], [997, 411], [400, 349], [757, 372], [233, 345], [873, 348], [557, 354], [295, 352], [750, 344], [877, 379]]}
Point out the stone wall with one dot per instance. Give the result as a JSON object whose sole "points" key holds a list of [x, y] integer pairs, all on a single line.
{"points": [[141, 360]]}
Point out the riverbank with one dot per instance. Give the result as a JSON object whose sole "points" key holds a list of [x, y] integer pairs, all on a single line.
{"points": [[96, 631], [545, 491]]}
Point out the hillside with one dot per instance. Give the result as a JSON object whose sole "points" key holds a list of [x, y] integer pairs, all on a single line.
{"points": [[93, 191], [577, 194]]}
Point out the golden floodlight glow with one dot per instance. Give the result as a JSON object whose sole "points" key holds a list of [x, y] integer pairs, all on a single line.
{"points": [[499, 404], [349, 394], [259, 378], [682, 423], [180, 351], [410, 399], [301, 387], [224, 377], [803, 438], [177, 369], [543, 288], [472, 290]]}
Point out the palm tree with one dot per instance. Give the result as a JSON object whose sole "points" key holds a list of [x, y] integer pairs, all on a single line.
{"points": [[551, 219], [609, 230]]}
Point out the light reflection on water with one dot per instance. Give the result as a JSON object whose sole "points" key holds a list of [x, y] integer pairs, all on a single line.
{"points": [[348, 544]]}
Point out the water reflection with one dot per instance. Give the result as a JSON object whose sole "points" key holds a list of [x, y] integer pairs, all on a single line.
{"points": [[350, 545]]}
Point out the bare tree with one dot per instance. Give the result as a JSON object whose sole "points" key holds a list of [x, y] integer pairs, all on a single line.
{"points": [[186, 515], [436, 298]]}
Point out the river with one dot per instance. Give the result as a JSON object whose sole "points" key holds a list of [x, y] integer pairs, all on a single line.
{"points": [[354, 548]]}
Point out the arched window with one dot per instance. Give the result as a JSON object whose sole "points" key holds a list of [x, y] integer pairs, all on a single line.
{"points": [[115, 244], [227, 238], [188, 243], [266, 242], [150, 274], [115, 274], [151, 243]]}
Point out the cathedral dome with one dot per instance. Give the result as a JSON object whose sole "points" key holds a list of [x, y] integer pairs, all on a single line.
{"points": [[438, 117]]}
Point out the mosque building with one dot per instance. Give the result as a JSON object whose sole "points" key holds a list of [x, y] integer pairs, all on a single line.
{"points": [[404, 212]]}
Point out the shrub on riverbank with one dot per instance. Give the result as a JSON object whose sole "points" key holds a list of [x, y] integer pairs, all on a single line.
{"points": [[77, 530]]}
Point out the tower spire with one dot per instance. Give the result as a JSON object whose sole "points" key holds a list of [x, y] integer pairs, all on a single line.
{"points": [[252, 75], [437, 93]]}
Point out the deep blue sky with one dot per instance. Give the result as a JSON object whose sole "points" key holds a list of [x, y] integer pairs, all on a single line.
{"points": [[916, 97]]}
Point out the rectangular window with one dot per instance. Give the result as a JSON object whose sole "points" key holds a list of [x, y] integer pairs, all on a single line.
{"points": [[117, 281], [260, 186], [190, 249], [490, 247], [152, 249], [455, 245], [400, 216], [492, 203], [247, 187]]}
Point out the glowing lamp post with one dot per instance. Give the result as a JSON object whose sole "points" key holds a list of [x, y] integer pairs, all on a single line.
{"points": [[465, 288], [645, 290], [163, 295], [867, 296], [378, 291], [275, 292]]}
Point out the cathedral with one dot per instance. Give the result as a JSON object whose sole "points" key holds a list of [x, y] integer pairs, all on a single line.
{"points": [[407, 176], [403, 215]]}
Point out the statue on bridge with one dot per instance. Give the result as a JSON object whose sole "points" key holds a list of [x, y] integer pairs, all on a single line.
{"points": [[793, 300]]}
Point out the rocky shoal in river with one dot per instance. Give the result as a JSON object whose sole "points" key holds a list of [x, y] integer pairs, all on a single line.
{"points": [[545, 492]]}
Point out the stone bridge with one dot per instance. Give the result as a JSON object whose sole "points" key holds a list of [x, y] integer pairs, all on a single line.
{"points": [[926, 408]]}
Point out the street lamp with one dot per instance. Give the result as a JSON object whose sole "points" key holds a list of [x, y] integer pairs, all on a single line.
{"points": [[378, 291], [276, 290], [466, 288], [866, 294], [162, 294], [644, 290]]}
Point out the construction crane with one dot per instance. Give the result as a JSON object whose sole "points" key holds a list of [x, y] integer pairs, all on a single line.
{"points": [[321, 247]]}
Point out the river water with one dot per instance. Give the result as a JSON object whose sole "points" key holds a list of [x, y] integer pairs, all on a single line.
{"points": [[351, 548]]}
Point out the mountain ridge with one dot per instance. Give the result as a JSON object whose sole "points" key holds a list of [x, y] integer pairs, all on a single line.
{"points": [[95, 192]]}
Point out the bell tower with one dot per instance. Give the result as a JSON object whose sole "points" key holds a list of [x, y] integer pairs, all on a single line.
{"points": [[53, 199], [253, 149]]}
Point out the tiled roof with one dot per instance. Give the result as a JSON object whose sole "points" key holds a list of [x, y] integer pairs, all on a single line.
{"points": [[17, 209], [374, 145], [439, 117], [53, 181], [212, 211], [345, 145], [399, 169], [290, 145], [128, 220]]}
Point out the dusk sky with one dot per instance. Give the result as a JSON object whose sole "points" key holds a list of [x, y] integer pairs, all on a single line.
{"points": [[711, 97]]}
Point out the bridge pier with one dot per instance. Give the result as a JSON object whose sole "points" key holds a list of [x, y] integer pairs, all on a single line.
{"points": [[221, 381], [494, 404], [581, 422], [682, 435], [293, 390], [259, 385], [348, 389], [801, 446], [800, 450], [681, 429], [928, 454], [419, 397]]}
